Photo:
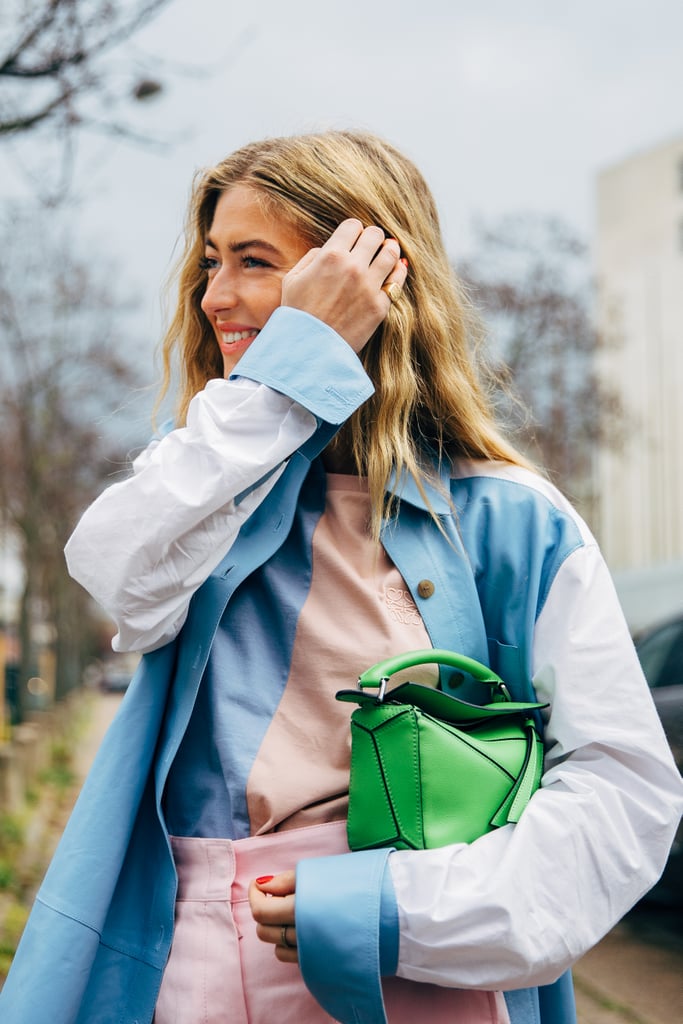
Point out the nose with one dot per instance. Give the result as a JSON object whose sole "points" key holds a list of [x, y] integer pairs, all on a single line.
{"points": [[220, 293]]}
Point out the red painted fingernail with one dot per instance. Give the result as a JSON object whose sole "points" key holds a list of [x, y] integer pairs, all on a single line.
{"points": [[404, 261], [263, 879]]}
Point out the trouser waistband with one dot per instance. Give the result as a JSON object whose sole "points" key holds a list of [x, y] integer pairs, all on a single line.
{"points": [[218, 869]]}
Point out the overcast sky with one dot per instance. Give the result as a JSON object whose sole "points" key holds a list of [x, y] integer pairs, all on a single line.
{"points": [[505, 106]]}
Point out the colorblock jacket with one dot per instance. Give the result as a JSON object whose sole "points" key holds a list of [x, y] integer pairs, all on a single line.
{"points": [[518, 582]]}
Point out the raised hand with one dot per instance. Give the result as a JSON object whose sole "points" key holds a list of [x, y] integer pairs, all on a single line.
{"points": [[341, 283]]}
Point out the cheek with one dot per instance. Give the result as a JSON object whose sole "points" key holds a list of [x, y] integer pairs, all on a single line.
{"points": [[269, 298]]}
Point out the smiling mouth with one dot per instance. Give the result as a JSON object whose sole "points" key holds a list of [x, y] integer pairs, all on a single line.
{"points": [[232, 337]]}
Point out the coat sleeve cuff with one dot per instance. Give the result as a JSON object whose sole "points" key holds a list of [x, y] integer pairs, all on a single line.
{"points": [[300, 356], [347, 932]]}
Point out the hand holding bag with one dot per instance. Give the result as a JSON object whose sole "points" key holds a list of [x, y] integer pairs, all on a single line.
{"points": [[428, 769]]}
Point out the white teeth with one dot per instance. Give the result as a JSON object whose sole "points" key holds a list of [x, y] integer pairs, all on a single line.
{"points": [[230, 337]]}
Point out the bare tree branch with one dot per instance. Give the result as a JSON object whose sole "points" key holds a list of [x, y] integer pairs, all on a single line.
{"points": [[88, 39], [57, 56], [28, 121], [33, 35]]}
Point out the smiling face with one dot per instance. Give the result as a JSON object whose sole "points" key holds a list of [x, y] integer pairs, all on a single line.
{"points": [[247, 254]]}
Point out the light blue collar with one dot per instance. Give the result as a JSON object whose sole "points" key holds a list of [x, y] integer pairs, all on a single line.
{"points": [[436, 493]]}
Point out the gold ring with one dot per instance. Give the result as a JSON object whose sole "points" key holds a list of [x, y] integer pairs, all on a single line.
{"points": [[283, 936], [393, 290]]}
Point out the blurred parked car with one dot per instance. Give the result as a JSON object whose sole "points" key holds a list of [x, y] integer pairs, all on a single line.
{"points": [[660, 650], [114, 682], [117, 671]]}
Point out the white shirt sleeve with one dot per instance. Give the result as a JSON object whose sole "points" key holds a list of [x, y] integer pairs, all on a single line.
{"points": [[521, 904], [148, 542]]}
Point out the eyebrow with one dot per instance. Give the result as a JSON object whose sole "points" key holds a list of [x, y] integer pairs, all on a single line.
{"points": [[250, 243]]}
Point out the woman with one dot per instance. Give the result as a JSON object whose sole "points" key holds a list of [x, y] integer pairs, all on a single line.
{"points": [[335, 491]]}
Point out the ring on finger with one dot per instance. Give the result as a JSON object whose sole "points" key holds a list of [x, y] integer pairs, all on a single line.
{"points": [[393, 290], [283, 938]]}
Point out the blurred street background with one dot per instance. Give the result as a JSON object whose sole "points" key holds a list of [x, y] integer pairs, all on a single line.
{"points": [[553, 141]]}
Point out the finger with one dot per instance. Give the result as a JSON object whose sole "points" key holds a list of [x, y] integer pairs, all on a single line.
{"points": [[287, 954], [399, 273], [274, 934], [370, 243], [345, 235], [270, 910], [394, 282], [386, 260], [282, 884]]}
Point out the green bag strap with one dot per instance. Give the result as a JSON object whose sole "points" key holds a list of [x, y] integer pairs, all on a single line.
{"points": [[380, 672], [527, 783]]}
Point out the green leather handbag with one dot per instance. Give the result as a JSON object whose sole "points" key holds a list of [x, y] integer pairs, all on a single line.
{"points": [[428, 769]]}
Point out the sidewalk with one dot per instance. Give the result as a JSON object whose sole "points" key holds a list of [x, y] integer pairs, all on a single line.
{"points": [[631, 977], [103, 708], [100, 711]]}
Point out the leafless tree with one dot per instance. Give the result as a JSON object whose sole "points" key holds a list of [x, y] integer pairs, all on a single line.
{"points": [[57, 62], [65, 66], [530, 275], [64, 370]]}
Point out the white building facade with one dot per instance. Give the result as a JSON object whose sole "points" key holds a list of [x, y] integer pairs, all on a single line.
{"points": [[639, 252]]}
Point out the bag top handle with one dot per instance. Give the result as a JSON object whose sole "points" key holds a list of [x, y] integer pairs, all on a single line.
{"points": [[382, 670]]}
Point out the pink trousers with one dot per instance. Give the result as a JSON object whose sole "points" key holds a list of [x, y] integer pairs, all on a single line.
{"points": [[219, 972]]}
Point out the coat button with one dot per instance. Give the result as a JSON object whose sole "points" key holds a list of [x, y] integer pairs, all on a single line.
{"points": [[425, 588]]}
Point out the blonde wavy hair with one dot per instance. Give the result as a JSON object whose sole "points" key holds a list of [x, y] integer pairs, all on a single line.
{"points": [[429, 403]]}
